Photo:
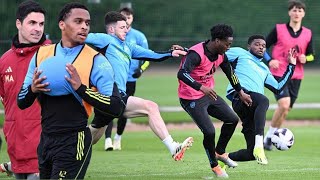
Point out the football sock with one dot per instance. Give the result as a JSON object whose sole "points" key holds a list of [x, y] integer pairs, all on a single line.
{"points": [[258, 141], [117, 137], [270, 132], [170, 144]]}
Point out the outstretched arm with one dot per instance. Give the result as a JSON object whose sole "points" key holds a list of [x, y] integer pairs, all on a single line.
{"points": [[99, 40], [277, 86], [141, 53]]}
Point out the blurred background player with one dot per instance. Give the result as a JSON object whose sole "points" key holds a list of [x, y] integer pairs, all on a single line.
{"points": [[198, 98], [284, 37], [137, 67], [22, 128], [254, 76]]}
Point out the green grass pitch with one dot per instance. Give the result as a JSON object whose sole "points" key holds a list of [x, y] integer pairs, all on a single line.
{"points": [[145, 157]]}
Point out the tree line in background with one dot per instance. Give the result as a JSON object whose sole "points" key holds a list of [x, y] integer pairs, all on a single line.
{"points": [[183, 22]]}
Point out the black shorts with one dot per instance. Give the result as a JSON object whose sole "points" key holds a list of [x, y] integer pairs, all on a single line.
{"points": [[65, 156], [131, 88], [125, 98], [290, 90], [101, 120]]}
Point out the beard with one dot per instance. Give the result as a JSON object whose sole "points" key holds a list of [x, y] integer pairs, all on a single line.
{"points": [[256, 55]]}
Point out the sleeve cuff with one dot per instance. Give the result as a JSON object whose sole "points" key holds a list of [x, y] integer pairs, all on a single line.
{"points": [[197, 86], [237, 87], [81, 90], [32, 94]]}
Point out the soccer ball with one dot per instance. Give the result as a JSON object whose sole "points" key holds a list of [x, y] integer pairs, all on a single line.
{"points": [[282, 139], [58, 84]]}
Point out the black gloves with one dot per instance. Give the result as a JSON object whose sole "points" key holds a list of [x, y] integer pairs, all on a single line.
{"points": [[137, 73]]}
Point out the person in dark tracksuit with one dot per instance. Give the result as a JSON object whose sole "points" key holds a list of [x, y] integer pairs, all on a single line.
{"points": [[198, 98], [254, 76], [62, 76]]}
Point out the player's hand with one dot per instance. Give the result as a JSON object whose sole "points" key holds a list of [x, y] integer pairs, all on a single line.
{"points": [[178, 47], [245, 98], [209, 91], [292, 56], [74, 78], [137, 73], [302, 58], [37, 85], [177, 53], [274, 64]]}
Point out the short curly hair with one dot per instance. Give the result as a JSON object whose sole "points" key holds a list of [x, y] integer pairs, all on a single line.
{"points": [[65, 11], [221, 31], [256, 36]]}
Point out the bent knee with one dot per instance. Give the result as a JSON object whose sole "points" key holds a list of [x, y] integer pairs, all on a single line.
{"points": [[265, 101], [151, 106], [284, 104], [284, 107], [232, 120]]}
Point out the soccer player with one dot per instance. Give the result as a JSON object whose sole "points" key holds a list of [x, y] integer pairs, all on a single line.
{"points": [[22, 127], [254, 75], [198, 98], [119, 53], [65, 147], [283, 37], [137, 67]]}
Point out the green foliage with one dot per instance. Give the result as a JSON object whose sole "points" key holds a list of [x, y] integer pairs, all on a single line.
{"points": [[182, 22]]}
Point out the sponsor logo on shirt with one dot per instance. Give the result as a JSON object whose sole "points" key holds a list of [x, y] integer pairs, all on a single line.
{"points": [[8, 77], [208, 76], [9, 70], [105, 66]]}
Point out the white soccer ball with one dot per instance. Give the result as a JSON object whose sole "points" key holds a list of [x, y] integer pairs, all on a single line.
{"points": [[282, 139]]}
